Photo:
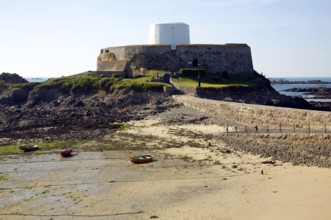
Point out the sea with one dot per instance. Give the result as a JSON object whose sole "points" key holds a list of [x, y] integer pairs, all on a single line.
{"points": [[278, 87], [281, 87], [36, 79]]}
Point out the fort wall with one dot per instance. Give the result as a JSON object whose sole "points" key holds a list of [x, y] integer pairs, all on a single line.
{"points": [[232, 58]]}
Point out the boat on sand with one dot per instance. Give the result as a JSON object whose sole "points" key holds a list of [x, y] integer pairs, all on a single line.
{"points": [[141, 159], [28, 148], [66, 153]]}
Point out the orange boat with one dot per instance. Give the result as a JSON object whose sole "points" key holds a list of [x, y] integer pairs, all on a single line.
{"points": [[141, 159], [66, 153]]}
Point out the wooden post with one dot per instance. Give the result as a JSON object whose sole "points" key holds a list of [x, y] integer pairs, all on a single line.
{"points": [[325, 128], [294, 128], [246, 129], [280, 128], [308, 128]]}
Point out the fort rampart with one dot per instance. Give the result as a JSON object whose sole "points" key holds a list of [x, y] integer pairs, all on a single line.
{"points": [[232, 58]]}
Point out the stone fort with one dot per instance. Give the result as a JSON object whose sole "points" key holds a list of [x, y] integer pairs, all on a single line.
{"points": [[169, 49]]}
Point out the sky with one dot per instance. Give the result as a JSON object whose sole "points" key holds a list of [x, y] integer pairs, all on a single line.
{"points": [[53, 38]]}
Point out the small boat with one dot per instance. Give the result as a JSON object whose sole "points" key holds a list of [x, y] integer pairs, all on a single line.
{"points": [[28, 148], [66, 153], [141, 159]]}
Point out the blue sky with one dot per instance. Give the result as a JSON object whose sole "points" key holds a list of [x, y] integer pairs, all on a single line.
{"points": [[51, 38]]}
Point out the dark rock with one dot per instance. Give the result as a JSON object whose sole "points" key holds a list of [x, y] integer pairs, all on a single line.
{"points": [[46, 116], [12, 78]]}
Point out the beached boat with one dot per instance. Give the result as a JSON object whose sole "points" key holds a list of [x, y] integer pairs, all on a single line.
{"points": [[141, 159], [28, 148], [66, 153]]}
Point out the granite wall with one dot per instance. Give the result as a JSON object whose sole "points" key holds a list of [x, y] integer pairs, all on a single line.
{"points": [[261, 115], [232, 58]]}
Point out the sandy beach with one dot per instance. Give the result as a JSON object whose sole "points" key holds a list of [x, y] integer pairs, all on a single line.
{"points": [[193, 176]]}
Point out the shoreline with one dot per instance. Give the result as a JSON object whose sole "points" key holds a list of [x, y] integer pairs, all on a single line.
{"points": [[195, 175], [267, 140]]}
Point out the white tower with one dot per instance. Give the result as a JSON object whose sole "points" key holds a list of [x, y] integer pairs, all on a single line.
{"points": [[169, 33]]}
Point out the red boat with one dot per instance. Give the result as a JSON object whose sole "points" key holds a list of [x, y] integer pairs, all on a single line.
{"points": [[66, 153]]}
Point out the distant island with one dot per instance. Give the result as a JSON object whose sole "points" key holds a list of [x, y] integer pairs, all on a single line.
{"points": [[282, 81]]}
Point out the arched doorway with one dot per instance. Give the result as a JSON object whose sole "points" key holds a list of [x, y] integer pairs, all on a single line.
{"points": [[195, 63]]}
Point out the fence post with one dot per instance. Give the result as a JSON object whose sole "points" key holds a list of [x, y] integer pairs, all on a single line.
{"points": [[268, 129], [235, 127], [256, 129], [227, 128], [308, 128], [246, 129], [280, 128], [325, 128], [294, 128]]}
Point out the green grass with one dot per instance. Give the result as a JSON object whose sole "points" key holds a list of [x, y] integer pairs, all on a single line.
{"points": [[189, 82], [139, 85], [89, 83], [3, 177], [9, 149], [223, 80]]}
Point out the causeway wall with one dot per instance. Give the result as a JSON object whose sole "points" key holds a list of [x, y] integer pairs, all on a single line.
{"points": [[232, 58], [261, 115], [300, 147]]}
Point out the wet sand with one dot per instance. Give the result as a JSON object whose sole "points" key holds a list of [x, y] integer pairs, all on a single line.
{"points": [[193, 177]]}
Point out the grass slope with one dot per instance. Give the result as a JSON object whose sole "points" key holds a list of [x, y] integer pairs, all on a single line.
{"points": [[221, 81], [89, 82]]}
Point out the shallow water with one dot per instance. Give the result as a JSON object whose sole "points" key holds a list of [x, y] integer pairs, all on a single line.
{"points": [[281, 87]]}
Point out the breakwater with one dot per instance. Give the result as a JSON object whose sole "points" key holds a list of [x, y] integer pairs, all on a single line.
{"points": [[260, 115], [299, 146]]}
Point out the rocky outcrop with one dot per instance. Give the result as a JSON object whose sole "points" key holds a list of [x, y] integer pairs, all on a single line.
{"points": [[12, 78], [253, 95], [260, 92], [14, 95], [299, 149], [319, 92], [63, 110], [44, 117]]}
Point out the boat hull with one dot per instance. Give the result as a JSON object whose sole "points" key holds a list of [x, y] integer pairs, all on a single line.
{"points": [[141, 159], [66, 153], [28, 148]]}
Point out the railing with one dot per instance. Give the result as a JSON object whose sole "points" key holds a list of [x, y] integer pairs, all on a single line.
{"points": [[307, 129]]}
